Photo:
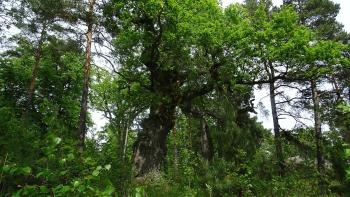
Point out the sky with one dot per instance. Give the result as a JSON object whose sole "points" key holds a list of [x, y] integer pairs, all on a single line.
{"points": [[343, 17], [262, 96]]}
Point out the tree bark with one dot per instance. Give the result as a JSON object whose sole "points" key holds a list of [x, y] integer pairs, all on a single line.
{"points": [[125, 141], [276, 128], [150, 147], [175, 151], [37, 57], [206, 141], [87, 68], [318, 131]]}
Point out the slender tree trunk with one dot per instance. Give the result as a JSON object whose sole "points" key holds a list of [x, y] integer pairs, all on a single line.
{"points": [[150, 147], [206, 141], [37, 57], [87, 68], [276, 128], [221, 126], [175, 151], [318, 131], [125, 145], [336, 88], [189, 120]]}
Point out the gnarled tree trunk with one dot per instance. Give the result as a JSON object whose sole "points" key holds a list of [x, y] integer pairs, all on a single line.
{"points": [[150, 147]]}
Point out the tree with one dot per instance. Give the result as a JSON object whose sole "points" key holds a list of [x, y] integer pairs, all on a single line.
{"points": [[177, 74], [87, 67], [55, 111], [322, 57], [172, 75], [278, 41], [320, 16], [35, 18]]}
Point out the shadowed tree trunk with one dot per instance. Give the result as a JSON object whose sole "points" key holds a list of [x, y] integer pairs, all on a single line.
{"points": [[206, 141], [87, 68], [150, 147], [175, 151], [317, 125], [276, 128], [37, 57], [125, 137]]}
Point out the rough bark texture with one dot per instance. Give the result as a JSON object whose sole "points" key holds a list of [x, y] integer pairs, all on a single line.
{"points": [[87, 68], [150, 147], [318, 131], [276, 128]]}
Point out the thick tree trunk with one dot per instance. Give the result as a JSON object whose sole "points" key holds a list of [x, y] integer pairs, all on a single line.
{"points": [[87, 68], [150, 147], [276, 128], [318, 131], [37, 59], [206, 141]]}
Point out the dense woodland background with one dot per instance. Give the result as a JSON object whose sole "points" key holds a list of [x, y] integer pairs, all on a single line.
{"points": [[175, 79]]}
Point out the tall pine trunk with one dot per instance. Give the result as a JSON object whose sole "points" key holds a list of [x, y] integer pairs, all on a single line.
{"points": [[87, 68], [317, 125], [276, 128]]}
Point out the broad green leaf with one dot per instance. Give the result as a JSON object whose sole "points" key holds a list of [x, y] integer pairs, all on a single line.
{"points": [[108, 166], [96, 172], [26, 170]]}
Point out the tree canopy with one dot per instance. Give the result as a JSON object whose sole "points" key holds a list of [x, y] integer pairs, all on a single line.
{"points": [[177, 84]]}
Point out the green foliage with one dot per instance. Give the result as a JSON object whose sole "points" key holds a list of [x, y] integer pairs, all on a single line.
{"points": [[56, 173], [347, 155], [344, 117], [200, 59]]}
